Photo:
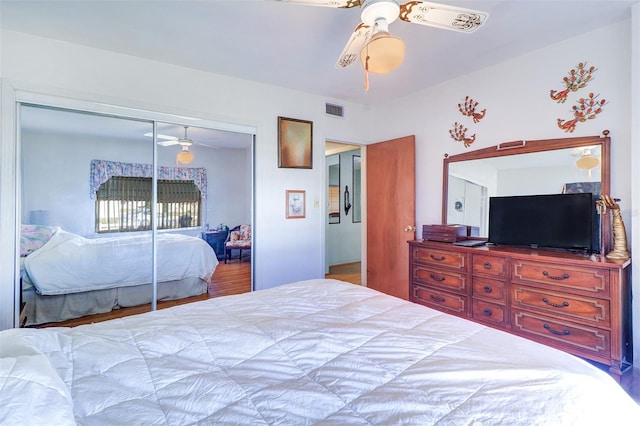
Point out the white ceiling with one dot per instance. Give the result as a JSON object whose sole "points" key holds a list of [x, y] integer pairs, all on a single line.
{"points": [[296, 46], [289, 45]]}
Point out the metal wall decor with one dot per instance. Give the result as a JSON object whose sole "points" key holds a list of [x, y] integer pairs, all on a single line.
{"points": [[459, 133], [468, 108], [577, 79], [587, 108]]}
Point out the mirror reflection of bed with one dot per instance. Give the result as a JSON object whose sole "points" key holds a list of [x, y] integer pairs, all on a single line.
{"points": [[86, 195]]}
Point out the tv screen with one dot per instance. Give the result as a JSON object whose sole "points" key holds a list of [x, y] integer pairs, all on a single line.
{"points": [[558, 221]]}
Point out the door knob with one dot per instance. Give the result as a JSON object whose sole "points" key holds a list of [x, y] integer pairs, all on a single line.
{"points": [[409, 228]]}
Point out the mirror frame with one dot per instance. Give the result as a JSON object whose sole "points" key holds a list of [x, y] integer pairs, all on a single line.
{"points": [[541, 145]]}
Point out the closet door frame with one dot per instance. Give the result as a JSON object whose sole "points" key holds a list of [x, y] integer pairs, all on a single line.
{"points": [[13, 96]]}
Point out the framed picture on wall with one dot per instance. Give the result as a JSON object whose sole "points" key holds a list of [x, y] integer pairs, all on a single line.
{"points": [[295, 204], [295, 143]]}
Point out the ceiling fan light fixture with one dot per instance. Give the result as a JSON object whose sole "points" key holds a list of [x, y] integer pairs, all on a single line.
{"points": [[587, 162], [382, 54], [184, 156]]}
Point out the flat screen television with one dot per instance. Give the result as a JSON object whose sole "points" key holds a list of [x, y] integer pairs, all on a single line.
{"points": [[558, 221]]}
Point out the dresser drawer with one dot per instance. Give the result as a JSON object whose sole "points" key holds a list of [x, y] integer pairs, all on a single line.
{"points": [[441, 300], [489, 265], [448, 280], [450, 259], [488, 312], [491, 289], [588, 310], [575, 338], [591, 280]]}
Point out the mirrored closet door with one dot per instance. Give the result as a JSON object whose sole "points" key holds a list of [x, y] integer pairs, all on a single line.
{"points": [[75, 210], [103, 229]]}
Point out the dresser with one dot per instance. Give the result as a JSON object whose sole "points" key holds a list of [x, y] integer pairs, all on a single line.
{"points": [[575, 303]]}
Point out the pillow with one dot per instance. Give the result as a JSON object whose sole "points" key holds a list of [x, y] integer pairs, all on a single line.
{"points": [[32, 237]]}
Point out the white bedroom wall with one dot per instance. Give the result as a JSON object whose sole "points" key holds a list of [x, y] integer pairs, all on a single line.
{"points": [[41, 65], [516, 96]]}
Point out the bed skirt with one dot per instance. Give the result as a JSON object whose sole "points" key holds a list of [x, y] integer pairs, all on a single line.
{"points": [[44, 309]]}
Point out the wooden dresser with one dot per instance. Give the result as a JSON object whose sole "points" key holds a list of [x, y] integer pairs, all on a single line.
{"points": [[575, 303]]}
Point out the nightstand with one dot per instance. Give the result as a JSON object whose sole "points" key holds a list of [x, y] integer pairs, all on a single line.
{"points": [[216, 240]]}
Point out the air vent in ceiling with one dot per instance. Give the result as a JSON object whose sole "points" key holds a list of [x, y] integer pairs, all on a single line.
{"points": [[334, 110]]}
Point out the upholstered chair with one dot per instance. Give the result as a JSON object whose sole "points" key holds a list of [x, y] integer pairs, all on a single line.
{"points": [[239, 239]]}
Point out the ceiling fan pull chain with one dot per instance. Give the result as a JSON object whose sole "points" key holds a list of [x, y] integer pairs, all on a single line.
{"points": [[366, 75]]}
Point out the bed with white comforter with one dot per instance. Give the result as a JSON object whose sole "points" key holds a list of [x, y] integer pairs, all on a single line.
{"points": [[71, 276], [313, 352]]}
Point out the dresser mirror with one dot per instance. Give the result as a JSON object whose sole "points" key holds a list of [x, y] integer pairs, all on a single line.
{"points": [[550, 166]]}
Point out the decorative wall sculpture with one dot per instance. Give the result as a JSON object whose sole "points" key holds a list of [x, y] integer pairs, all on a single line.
{"points": [[577, 79], [459, 133], [468, 108], [587, 108]]}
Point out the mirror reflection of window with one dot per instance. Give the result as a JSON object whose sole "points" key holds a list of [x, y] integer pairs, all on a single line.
{"points": [[333, 195]]}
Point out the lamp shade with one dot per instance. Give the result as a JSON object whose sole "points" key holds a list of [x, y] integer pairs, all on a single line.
{"points": [[184, 156], [382, 54]]}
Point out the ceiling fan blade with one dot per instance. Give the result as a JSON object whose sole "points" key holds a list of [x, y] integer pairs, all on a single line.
{"points": [[442, 16], [344, 4], [351, 51], [169, 143]]}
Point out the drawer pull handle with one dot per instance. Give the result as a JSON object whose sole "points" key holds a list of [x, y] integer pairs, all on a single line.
{"points": [[436, 298], [438, 259], [556, 332], [555, 305], [487, 265], [433, 277], [487, 312], [556, 277], [487, 289]]}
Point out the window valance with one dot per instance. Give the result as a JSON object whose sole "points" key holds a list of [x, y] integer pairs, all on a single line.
{"points": [[103, 170]]}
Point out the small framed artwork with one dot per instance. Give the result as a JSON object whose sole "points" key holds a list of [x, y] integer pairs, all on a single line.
{"points": [[296, 204], [295, 143]]}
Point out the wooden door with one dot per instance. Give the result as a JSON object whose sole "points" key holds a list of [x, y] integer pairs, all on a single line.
{"points": [[390, 170]]}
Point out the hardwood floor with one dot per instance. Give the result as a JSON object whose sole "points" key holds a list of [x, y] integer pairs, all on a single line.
{"points": [[349, 272]]}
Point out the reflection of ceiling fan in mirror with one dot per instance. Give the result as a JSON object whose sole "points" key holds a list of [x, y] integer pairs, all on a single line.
{"points": [[184, 156], [588, 158], [371, 41]]}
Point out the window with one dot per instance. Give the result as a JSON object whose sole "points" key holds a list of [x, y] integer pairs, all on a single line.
{"points": [[123, 204]]}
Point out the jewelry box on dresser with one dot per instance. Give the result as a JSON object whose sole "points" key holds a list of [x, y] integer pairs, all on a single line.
{"points": [[574, 301]]}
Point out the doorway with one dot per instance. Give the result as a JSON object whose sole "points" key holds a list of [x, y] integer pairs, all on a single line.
{"points": [[343, 230]]}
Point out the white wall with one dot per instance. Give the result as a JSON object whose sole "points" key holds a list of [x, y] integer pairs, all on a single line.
{"points": [[516, 96]]}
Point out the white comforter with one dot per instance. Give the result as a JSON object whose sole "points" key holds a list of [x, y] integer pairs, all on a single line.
{"points": [[69, 263], [316, 352]]}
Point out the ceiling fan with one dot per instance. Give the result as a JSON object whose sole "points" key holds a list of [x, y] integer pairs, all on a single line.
{"points": [[371, 41], [184, 156]]}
